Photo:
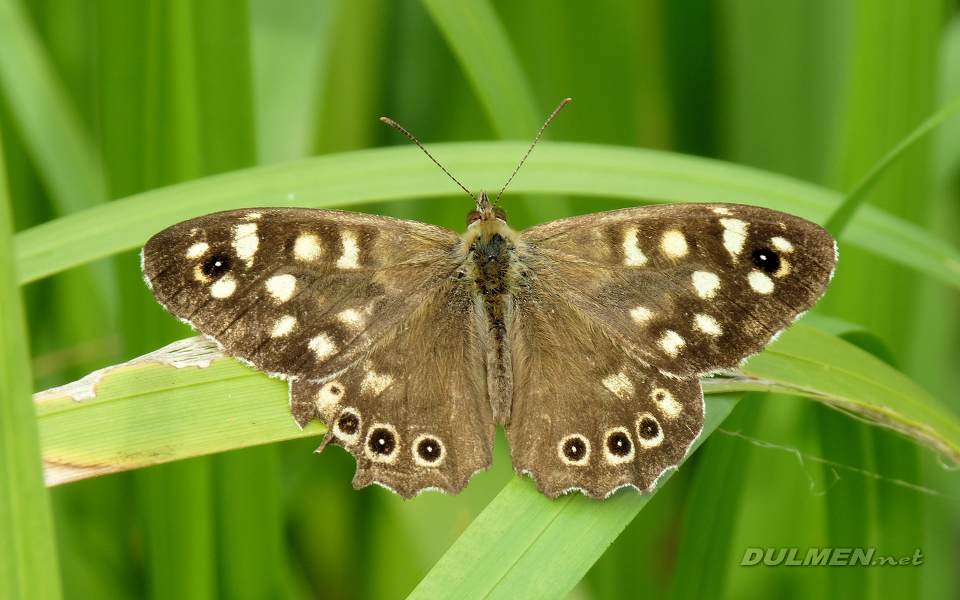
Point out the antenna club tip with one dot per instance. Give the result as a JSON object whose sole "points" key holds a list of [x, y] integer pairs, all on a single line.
{"points": [[384, 119]]}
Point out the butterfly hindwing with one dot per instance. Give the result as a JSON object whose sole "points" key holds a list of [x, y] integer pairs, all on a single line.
{"points": [[414, 412], [586, 414], [296, 292], [687, 288]]}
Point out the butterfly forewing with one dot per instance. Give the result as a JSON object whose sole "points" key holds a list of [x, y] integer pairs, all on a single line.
{"points": [[296, 292], [686, 288]]}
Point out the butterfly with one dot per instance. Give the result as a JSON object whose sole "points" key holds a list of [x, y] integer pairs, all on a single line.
{"points": [[584, 337]]}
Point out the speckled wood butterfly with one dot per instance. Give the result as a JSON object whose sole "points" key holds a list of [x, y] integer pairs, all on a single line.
{"points": [[583, 337]]}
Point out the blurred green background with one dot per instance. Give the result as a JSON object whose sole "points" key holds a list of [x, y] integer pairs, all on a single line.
{"points": [[102, 99]]}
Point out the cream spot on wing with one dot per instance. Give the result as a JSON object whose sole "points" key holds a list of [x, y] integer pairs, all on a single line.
{"points": [[351, 251], [329, 396], [281, 287], [632, 256], [641, 315], [619, 384], [351, 318], [383, 443], [245, 242], [671, 342], [307, 247], [322, 346], [374, 383], [674, 244], [734, 235], [224, 287], [199, 275], [197, 250], [649, 431], [666, 402], [283, 326], [617, 446], [253, 216], [721, 210], [578, 446], [760, 282], [429, 445], [707, 325], [348, 424], [706, 284], [781, 244]]}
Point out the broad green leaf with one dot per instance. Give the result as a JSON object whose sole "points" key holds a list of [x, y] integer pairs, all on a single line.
{"points": [[357, 178]]}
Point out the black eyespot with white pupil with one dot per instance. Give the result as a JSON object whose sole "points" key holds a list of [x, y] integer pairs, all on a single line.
{"points": [[348, 423], [575, 448], [382, 441], [619, 444], [429, 450], [217, 265], [766, 260], [649, 428]]}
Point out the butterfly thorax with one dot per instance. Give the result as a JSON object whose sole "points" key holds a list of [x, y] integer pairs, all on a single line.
{"points": [[492, 267]]}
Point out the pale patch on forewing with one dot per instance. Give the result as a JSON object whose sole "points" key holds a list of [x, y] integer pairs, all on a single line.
{"points": [[322, 346], [619, 384], [721, 210], [666, 402], [253, 216], [707, 325], [283, 326], [351, 318], [706, 284], [351, 251], [329, 396], [307, 247], [245, 242], [224, 287], [632, 256], [374, 383], [197, 250], [674, 244], [281, 287], [781, 244], [199, 275], [671, 342], [734, 235], [641, 315], [760, 282]]}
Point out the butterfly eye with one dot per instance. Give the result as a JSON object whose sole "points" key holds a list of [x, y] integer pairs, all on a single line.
{"points": [[766, 260], [500, 214], [473, 217], [217, 265]]}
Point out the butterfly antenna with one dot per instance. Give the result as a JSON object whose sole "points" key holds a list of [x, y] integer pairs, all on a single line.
{"points": [[397, 126], [537, 139]]}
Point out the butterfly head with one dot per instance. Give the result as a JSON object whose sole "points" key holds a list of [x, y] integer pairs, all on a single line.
{"points": [[485, 212]]}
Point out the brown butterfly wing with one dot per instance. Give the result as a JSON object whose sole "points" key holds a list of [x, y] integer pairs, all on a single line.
{"points": [[686, 288]]}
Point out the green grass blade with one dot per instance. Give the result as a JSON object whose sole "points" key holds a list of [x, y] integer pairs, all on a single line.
{"points": [[368, 176], [28, 557], [524, 545], [477, 37], [839, 220], [169, 405], [846, 377], [51, 128]]}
